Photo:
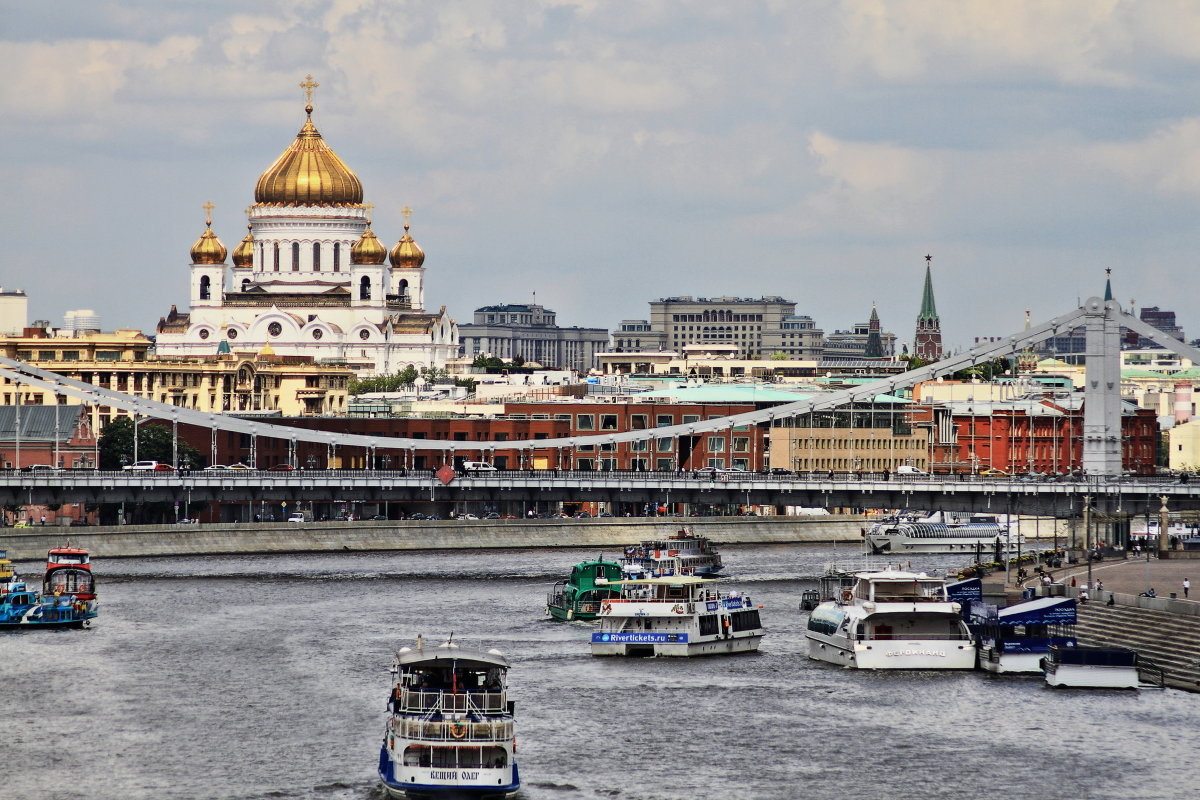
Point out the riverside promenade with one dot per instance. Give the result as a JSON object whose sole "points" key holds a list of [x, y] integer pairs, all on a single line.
{"points": [[130, 541]]}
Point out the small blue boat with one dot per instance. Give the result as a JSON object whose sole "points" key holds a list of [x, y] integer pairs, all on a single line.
{"points": [[25, 608]]}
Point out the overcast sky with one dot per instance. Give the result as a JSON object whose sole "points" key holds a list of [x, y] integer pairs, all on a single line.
{"points": [[604, 154]]}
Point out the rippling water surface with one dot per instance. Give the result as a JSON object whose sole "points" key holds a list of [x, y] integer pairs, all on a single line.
{"points": [[265, 677]]}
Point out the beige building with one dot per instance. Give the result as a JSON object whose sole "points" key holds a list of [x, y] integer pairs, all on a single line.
{"points": [[232, 381], [880, 437], [1184, 446], [759, 327]]}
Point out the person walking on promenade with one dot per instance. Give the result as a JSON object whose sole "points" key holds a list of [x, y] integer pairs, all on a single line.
{"points": [[1186, 585]]}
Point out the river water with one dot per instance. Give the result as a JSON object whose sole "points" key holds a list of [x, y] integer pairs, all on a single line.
{"points": [[266, 677]]}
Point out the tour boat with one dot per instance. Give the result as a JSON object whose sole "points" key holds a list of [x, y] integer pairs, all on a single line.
{"points": [[578, 597], [892, 620], [1014, 639], [25, 608], [69, 571], [979, 534], [680, 615], [1091, 667], [681, 553], [450, 727]]}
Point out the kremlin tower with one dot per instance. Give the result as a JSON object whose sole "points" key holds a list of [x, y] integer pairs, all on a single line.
{"points": [[928, 342]]}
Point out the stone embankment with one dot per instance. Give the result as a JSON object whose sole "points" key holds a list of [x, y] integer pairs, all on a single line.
{"points": [[324, 537]]}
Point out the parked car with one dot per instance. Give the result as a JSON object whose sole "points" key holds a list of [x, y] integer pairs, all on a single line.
{"points": [[993, 473], [149, 466], [299, 517], [417, 515], [491, 515], [214, 467], [238, 466], [908, 469], [39, 468], [467, 516], [703, 471], [379, 518], [478, 466], [777, 471], [281, 468]]}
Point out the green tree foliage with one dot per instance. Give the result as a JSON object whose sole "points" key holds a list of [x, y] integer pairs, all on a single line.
{"points": [[154, 444]]}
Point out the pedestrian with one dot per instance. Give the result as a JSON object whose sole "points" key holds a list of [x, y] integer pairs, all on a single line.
{"points": [[1099, 586], [1073, 584], [1186, 585], [1083, 595]]}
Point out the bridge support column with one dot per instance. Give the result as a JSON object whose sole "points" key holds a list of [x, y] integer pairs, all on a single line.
{"points": [[1102, 388]]}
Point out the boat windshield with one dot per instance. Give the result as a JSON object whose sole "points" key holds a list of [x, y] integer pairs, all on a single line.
{"points": [[908, 591], [57, 557]]}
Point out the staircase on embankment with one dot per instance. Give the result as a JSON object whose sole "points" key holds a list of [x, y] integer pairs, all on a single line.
{"points": [[1170, 641]]}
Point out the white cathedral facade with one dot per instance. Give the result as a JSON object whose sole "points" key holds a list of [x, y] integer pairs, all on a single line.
{"points": [[310, 278]]}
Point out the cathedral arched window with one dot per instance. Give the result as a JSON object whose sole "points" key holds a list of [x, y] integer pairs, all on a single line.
{"points": [[205, 287], [245, 284], [403, 290], [337, 256], [295, 256], [277, 256], [364, 288], [316, 257]]}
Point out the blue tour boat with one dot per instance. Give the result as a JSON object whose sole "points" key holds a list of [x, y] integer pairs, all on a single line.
{"points": [[25, 608]]}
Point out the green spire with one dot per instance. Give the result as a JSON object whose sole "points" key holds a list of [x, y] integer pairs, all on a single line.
{"points": [[928, 307], [1108, 284], [223, 348]]}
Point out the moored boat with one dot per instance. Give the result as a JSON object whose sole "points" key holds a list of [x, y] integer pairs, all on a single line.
{"points": [[944, 532], [579, 597], [450, 727], [682, 553], [680, 615], [69, 571], [22, 607], [1016, 638], [892, 620], [1091, 667]]}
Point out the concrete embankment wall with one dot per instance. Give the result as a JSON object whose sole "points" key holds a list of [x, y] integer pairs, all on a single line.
{"points": [[324, 537]]}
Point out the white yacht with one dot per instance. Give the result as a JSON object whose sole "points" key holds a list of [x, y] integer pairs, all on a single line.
{"points": [[891, 620], [681, 615], [944, 532], [450, 728]]}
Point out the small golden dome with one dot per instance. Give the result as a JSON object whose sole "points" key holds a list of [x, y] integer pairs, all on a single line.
{"points": [[308, 173], [243, 254], [406, 252], [208, 248], [368, 249]]}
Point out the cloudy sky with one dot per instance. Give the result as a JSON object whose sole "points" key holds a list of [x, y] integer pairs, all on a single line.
{"points": [[604, 154]]}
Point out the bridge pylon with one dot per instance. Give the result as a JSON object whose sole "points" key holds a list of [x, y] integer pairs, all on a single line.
{"points": [[1102, 437]]}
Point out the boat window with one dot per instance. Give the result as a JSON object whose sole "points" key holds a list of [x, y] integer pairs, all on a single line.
{"points": [[708, 625], [744, 620]]}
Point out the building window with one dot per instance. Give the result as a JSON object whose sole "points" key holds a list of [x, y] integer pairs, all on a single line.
{"points": [[295, 256], [666, 445], [741, 444], [690, 418], [364, 334], [664, 464], [274, 329], [205, 287], [204, 333], [638, 446], [337, 256], [318, 333], [716, 444], [364, 288], [402, 289], [585, 422], [587, 448], [277, 256], [664, 420], [608, 422], [316, 256]]}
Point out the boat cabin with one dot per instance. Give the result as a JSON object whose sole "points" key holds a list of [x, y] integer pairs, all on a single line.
{"points": [[896, 587]]}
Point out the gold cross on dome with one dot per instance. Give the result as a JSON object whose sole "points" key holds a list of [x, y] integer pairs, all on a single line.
{"points": [[308, 86], [208, 207], [407, 212], [370, 207]]}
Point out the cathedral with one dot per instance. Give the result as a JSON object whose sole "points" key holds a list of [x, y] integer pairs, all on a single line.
{"points": [[310, 278]]}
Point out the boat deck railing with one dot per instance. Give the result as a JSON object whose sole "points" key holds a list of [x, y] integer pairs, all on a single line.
{"points": [[915, 636], [453, 730], [417, 701]]}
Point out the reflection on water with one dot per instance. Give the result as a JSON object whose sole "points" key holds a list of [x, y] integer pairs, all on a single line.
{"points": [[266, 676]]}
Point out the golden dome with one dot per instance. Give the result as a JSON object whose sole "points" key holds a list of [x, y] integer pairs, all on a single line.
{"points": [[308, 173], [406, 252], [368, 249], [243, 254], [208, 248]]}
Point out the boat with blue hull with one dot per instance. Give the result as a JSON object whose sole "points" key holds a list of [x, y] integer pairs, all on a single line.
{"points": [[681, 553], [23, 607], [450, 727], [1017, 638]]}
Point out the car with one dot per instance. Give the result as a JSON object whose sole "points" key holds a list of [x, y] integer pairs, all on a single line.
{"points": [[478, 466], [39, 468], [214, 467], [583, 515], [714, 471], [417, 515], [467, 516], [148, 466], [297, 517], [908, 469], [238, 466], [491, 515], [777, 471], [281, 468], [992, 473], [378, 518], [21, 523]]}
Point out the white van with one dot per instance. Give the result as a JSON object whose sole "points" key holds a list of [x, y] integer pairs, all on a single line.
{"points": [[908, 469], [477, 466]]}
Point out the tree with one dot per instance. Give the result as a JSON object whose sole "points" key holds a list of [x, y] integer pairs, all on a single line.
{"points": [[154, 444]]}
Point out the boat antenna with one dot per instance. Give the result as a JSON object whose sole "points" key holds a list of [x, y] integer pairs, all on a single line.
{"points": [[451, 639], [420, 643]]}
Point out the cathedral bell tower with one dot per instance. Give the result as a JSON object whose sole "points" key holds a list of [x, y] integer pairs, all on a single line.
{"points": [[208, 266], [408, 271]]}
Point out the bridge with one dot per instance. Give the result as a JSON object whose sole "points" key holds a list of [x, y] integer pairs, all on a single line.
{"points": [[1104, 488]]}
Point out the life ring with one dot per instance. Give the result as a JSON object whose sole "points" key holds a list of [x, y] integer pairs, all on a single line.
{"points": [[847, 595], [458, 730]]}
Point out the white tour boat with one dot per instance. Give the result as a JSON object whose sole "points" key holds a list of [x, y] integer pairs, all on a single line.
{"points": [[450, 727], [942, 532], [682, 553], [892, 620], [681, 615], [1092, 667]]}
